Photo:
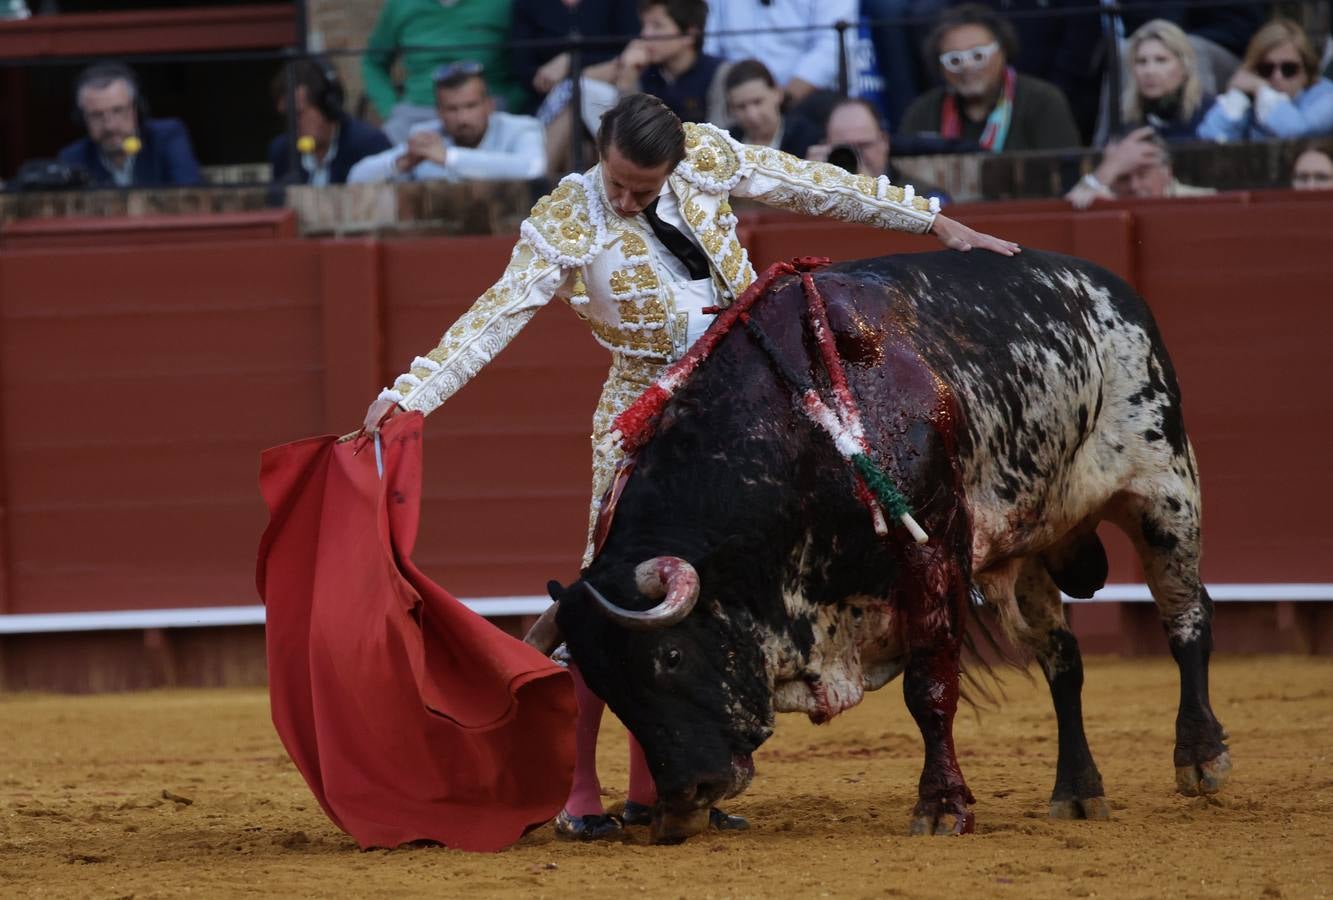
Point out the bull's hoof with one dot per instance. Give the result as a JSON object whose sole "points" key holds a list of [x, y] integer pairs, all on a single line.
{"points": [[1204, 778], [937, 818], [1081, 808], [588, 828], [721, 821]]}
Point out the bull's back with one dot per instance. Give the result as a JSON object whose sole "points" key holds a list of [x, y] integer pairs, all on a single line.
{"points": [[1044, 355]]}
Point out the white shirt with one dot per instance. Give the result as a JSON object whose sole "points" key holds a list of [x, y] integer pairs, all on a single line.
{"points": [[687, 295], [318, 169], [122, 175], [805, 52], [512, 149]]}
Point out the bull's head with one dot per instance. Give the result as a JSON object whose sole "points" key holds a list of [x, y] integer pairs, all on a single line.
{"points": [[689, 687]]}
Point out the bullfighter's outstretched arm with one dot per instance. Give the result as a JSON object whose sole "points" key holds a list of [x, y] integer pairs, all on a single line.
{"points": [[820, 189], [716, 162], [563, 233], [528, 283]]}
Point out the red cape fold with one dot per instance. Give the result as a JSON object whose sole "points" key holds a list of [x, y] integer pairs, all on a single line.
{"points": [[410, 717]]}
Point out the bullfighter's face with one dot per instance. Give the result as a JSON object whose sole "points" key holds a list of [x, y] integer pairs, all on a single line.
{"points": [[693, 693], [629, 186]]}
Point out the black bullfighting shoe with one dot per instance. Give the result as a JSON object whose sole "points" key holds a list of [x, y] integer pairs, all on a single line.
{"points": [[723, 822], [588, 828], [636, 814]]}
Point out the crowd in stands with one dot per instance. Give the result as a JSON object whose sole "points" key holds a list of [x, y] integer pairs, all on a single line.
{"points": [[486, 90]]}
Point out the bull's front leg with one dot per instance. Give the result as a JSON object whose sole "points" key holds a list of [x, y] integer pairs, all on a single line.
{"points": [[930, 686]]}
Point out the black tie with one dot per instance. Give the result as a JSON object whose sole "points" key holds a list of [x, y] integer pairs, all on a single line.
{"points": [[680, 246]]}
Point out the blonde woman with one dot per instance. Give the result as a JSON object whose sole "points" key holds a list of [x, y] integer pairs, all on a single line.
{"points": [[1276, 93], [1164, 91]]}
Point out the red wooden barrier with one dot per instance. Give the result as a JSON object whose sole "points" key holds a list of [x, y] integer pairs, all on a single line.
{"points": [[140, 383]]}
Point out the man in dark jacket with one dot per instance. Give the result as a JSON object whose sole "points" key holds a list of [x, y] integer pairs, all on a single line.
{"points": [[125, 148], [328, 140], [984, 102]]}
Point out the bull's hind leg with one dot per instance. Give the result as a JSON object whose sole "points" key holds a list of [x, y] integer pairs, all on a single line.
{"points": [[1078, 790], [1161, 516]]}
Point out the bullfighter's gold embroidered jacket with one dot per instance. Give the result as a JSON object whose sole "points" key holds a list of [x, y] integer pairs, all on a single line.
{"points": [[574, 246]]}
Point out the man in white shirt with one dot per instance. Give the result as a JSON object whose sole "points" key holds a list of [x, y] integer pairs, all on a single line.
{"points": [[644, 247], [801, 49], [469, 141]]}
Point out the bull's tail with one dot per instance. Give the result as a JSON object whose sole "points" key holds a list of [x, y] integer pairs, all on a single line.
{"points": [[985, 650]]}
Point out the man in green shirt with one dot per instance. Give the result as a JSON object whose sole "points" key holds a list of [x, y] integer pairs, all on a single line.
{"points": [[428, 34]]}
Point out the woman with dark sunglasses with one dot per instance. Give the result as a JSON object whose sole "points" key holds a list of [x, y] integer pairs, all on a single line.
{"points": [[1276, 93]]}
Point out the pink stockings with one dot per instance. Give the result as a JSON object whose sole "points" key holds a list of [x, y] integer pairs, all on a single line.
{"points": [[585, 797]]}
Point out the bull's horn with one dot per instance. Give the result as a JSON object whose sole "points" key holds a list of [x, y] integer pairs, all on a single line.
{"points": [[544, 633], [668, 577]]}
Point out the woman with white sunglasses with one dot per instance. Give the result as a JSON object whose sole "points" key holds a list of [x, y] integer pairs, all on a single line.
{"points": [[984, 103]]}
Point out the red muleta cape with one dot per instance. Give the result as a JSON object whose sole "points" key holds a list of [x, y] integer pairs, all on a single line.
{"points": [[411, 717]]}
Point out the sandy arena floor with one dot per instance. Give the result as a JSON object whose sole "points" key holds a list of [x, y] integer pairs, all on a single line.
{"points": [[189, 792]]}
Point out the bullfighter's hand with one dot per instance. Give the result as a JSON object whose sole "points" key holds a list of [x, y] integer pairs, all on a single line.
{"points": [[957, 236], [428, 145], [379, 412]]}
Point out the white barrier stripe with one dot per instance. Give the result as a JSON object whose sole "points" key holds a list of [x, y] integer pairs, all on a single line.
{"points": [[534, 604], [216, 616]]}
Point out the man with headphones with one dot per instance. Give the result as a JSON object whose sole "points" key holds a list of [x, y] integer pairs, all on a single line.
{"points": [[329, 141], [124, 147]]}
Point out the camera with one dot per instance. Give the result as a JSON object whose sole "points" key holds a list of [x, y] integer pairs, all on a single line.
{"points": [[844, 156]]}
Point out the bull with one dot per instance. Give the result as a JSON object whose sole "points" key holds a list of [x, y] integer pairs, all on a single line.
{"points": [[1017, 403]]}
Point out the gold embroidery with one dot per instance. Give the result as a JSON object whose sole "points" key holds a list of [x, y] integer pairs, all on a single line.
{"points": [[712, 240], [709, 152], [650, 342], [562, 220], [731, 263], [639, 278], [633, 245], [694, 214], [724, 208]]}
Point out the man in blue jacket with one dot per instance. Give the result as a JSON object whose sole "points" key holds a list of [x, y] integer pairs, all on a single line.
{"points": [[329, 141], [124, 147]]}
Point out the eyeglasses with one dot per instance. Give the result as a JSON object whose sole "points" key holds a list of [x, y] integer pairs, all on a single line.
{"points": [[463, 67], [975, 58], [111, 114], [1312, 178], [1288, 69]]}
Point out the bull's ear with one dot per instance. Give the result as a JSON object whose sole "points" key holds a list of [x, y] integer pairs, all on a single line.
{"points": [[555, 589]]}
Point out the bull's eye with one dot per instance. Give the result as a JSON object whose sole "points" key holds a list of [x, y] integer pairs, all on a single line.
{"points": [[672, 658]]}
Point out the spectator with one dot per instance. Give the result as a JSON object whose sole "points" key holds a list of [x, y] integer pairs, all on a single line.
{"points": [[1218, 31], [467, 141], [1313, 171], [336, 141], [428, 34], [1164, 90], [984, 102], [667, 61], [1277, 91], [795, 38], [125, 147], [755, 103], [856, 140], [1138, 165], [540, 68]]}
